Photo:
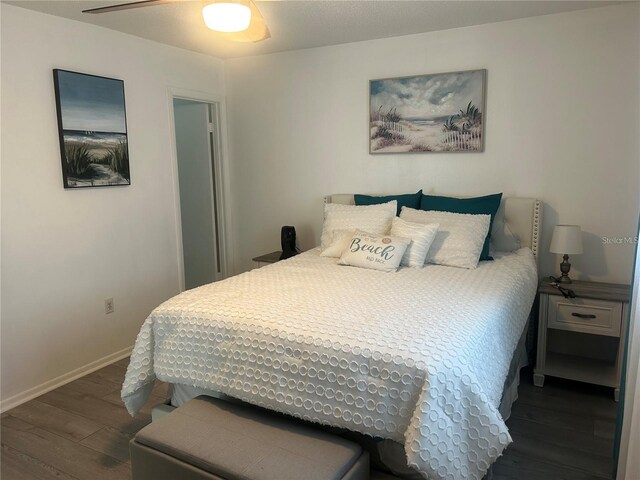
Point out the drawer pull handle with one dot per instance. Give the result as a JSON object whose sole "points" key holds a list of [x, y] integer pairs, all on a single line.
{"points": [[585, 316]]}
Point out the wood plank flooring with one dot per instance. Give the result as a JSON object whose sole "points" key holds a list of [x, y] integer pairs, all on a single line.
{"points": [[81, 431], [563, 431]]}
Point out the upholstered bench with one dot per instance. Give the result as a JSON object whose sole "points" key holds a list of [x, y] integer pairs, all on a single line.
{"points": [[211, 439]]}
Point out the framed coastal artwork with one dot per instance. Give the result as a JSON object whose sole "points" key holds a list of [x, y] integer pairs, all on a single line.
{"points": [[441, 112], [92, 126]]}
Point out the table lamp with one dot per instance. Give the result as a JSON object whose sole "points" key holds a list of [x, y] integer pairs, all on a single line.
{"points": [[566, 239]]}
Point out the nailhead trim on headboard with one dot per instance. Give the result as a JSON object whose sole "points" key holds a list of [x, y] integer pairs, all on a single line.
{"points": [[535, 231]]}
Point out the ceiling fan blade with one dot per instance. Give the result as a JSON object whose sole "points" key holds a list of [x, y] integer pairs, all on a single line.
{"points": [[128, 6], [257, 30]]}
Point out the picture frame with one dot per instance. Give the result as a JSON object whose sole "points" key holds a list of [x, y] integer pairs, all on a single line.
{"points": [[92, 128], [429, 113]]}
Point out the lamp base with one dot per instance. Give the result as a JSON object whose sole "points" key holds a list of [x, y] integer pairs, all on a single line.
{"points": [[565, 268], [564, 279]]}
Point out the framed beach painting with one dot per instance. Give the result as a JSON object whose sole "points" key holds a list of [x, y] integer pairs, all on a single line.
{"points": [[441, 112], [92, 126]]}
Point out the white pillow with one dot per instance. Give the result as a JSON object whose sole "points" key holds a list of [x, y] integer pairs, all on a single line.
{"points": [[460, 236], [369, 218], [378, 252], [339, 242], [421, 237]]}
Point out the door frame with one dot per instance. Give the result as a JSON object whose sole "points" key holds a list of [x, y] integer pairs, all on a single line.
{"points": [[220, 150]]}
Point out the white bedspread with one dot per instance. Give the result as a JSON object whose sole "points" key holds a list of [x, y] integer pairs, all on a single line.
{"points": [[419, 356]]}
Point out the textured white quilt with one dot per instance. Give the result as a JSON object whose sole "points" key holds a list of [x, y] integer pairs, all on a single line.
{"points": [[418, 356]]}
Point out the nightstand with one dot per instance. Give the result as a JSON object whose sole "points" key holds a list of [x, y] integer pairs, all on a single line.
{"points": [[582, 338], [263, 260]]}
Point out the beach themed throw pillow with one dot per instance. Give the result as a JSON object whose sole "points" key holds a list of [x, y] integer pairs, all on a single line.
{"points": [[378, 252]]}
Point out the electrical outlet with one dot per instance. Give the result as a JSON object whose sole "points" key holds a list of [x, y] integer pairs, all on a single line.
{"points": [[108, 305]]}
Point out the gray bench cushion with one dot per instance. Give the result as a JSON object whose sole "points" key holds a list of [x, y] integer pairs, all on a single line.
{"points": [[237, 442]]}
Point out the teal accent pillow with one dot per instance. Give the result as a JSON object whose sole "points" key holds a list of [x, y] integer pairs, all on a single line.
{"points": [[487, 205], [411, 200]]}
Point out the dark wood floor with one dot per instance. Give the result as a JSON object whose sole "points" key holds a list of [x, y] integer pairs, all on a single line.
{"points": [[564, 430], [81, 431]]}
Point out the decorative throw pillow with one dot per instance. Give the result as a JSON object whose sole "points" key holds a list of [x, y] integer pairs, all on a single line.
{"points": [[371, 218], [411, 200], [378, 252], [421, 237], [459, 239], [339, 243], [487, 205]]}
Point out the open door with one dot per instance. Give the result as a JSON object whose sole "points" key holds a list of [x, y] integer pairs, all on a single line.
{"points": [[197, 133]]}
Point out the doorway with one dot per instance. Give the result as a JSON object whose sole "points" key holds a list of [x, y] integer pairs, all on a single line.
{"points": [[198, 153]]}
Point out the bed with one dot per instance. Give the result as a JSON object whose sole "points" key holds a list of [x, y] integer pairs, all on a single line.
{"points": [[419, 357]]}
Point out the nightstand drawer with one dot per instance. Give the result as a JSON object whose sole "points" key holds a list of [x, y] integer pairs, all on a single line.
{"points": [[585, 315]]}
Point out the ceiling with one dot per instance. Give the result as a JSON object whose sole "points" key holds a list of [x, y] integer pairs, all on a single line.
{"points": [[302, 24]]}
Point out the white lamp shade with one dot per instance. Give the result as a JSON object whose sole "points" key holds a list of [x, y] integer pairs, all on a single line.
{"points": [[226, 16], [566, 239]]}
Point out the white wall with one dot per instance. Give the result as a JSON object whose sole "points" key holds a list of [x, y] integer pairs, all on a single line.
{"points": [[562, 123], [65, 251]]}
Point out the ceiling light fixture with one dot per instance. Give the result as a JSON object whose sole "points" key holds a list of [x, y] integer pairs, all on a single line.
{"points": [[227, 16], [236, 20]]}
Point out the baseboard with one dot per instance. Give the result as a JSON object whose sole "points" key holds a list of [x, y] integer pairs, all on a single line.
{"points": [[45, 387]]}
